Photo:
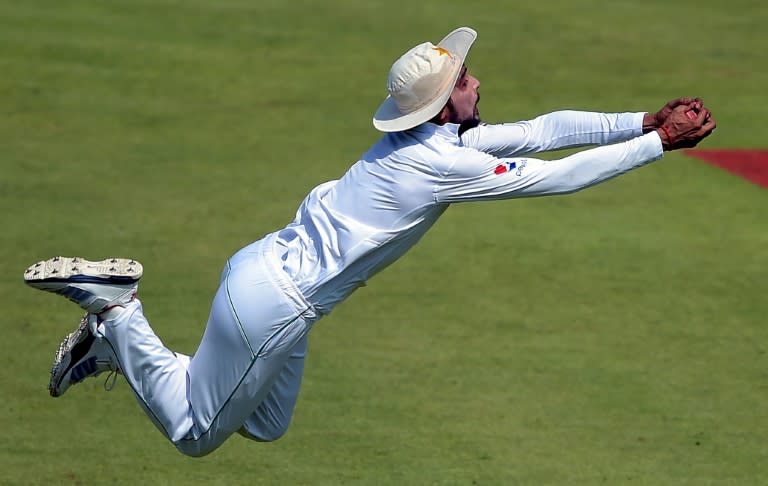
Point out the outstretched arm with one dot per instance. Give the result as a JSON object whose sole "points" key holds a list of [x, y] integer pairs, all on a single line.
{"points": [[479, 176]]}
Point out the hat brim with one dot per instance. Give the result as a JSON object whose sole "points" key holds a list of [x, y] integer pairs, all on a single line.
{"points": [[389, 118]]}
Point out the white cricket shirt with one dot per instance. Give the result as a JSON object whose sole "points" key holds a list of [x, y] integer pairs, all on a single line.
{"points": [[347, 230]]}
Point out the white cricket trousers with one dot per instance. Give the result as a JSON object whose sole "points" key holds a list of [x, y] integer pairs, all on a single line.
{"points": [[245, 375]]}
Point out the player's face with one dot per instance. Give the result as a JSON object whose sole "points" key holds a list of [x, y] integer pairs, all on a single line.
{"points": [[463, 101]]}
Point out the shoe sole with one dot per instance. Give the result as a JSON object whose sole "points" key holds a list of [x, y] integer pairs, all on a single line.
{"points": [[63, 359], [56, 272]]}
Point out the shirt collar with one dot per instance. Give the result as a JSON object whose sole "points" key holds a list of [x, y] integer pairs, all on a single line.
{"points": [[449, 130]]}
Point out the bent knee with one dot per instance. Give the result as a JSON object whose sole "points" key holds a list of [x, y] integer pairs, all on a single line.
{"points": [[196, 448], [205, 445]]}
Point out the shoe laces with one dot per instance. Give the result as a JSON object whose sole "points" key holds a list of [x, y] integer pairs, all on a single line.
{"points": [[111, 380]]}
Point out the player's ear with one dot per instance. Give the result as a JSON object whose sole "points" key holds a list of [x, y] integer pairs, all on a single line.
{"points": [[443, 115]]}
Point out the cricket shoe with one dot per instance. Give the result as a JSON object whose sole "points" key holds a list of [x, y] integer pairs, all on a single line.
{"points": [[80, 355], [94, 286]]}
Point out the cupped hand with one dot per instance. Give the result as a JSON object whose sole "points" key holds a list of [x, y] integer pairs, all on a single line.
{"points": [[678, 130]]}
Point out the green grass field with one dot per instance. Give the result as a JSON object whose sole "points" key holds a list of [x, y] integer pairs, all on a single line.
{"points": [[616, 336]]}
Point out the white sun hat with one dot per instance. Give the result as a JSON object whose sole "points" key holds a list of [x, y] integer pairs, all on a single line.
{"points": [[421, 81]]}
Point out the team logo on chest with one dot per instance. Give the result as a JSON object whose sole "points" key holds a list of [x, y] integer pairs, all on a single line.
{"points": [[505, 167]]}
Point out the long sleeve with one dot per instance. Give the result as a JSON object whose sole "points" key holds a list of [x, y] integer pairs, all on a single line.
{"points": [[476, 176], [558, 130]]}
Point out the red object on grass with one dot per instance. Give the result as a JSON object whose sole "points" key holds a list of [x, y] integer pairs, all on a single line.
{"points": [[749, 164]]}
